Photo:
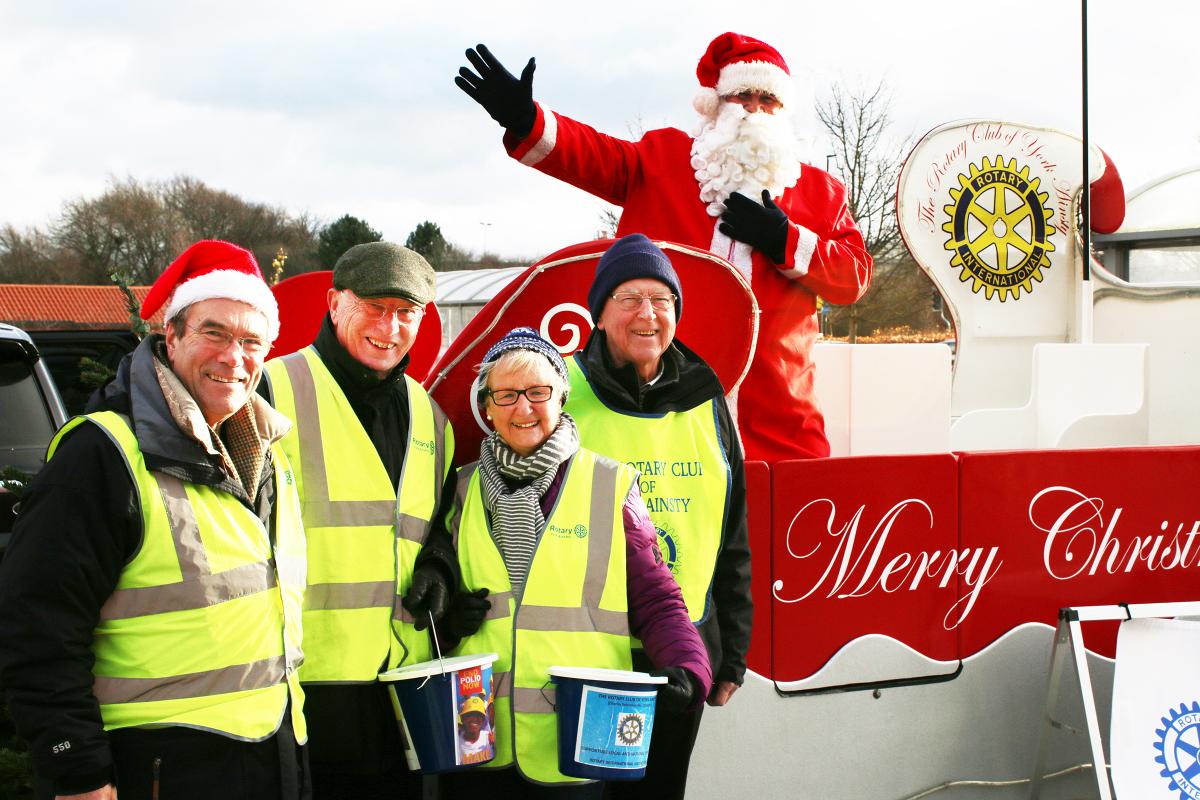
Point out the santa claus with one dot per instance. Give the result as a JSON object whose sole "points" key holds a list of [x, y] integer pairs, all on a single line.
{"points": [[737, 188]]}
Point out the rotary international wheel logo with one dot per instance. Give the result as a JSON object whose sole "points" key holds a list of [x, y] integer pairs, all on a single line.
{"points": [[668, 545], [999, 228], [630, 729], [1178, 749]]}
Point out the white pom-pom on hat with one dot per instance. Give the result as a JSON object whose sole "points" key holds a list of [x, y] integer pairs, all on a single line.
{"points": [[706, 102]]}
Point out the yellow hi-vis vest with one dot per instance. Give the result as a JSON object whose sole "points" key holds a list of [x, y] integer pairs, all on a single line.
{"points": [[685, 479], [572, 611], [362, 539], [203, 628]]}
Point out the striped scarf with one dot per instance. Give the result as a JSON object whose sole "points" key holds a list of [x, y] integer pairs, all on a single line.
{"points": [[516, 514]]}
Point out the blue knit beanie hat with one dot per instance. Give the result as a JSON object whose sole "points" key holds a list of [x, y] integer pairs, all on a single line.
{"points": [[630, 257], [525, 338]]}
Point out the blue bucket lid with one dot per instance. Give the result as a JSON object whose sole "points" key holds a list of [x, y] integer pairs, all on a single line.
{"points": [[423, 669], [610, 675]]}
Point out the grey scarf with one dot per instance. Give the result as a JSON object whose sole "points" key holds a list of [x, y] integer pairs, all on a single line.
{"points": [[516, 514]]}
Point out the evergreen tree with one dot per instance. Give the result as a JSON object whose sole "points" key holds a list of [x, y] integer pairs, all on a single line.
{"points": [[427, 240], [339, 236]]}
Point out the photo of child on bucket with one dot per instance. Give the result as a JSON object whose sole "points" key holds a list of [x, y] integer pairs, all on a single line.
{"points": [[476, 741], [475, 738]]}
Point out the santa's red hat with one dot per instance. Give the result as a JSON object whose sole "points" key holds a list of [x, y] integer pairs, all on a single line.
{"points": [[210, 270], [734, 63]]}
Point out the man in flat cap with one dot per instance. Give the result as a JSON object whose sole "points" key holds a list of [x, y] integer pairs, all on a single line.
{"points": [[372, 454], [150, 601]]}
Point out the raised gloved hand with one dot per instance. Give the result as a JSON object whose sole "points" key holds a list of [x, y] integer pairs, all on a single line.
{"points": [[678, 693], [762, 227], [467, 612], [428, 594], [508, 99]]}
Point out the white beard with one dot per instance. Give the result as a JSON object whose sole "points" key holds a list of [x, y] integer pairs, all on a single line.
{"points": [[743, 152]]}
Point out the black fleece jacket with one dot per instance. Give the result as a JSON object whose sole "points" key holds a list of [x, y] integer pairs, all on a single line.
{"points": [[684, 383]]}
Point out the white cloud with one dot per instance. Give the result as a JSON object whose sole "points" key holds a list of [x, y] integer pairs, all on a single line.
{"points": [[350, 107]]}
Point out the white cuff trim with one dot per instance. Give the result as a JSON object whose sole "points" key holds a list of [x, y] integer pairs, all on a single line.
{"points": [[546, 143], [806, 245]]}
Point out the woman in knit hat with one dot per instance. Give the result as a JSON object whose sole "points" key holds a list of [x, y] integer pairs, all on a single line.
{"points": [[561, 539]]}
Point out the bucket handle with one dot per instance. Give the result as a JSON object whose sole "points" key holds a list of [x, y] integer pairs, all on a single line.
{"points": [[437, 646], [550, 702]]}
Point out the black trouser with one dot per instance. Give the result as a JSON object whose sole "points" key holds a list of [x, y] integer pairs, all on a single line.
{"points": [[198, 765], [355, 748], [502, 784]]}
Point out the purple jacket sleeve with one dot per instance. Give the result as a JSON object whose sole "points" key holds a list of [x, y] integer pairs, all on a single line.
{"points": [[657, 614]]}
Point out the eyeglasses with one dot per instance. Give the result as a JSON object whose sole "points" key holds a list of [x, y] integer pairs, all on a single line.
{"points": [[632, 301], [250, 345], [534, 394], [375, 312]]}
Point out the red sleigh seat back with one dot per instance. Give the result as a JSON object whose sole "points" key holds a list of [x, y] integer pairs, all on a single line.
{"points": [[719, 322]]}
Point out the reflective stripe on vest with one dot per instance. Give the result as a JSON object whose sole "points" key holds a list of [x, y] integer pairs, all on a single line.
{"points": [[362, 540], [572, 612], [685, 479], [203, 628]]}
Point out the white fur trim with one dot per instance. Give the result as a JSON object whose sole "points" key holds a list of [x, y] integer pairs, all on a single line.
{"points": [[806, 245], [764, 76], [740, 254], [706, 102], [229, 284], [545, 144]]}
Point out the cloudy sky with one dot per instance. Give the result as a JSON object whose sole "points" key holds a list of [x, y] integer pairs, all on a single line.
{"points": [[349, 107]]}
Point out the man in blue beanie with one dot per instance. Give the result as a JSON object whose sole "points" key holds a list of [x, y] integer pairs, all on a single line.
{"points": [[640, 396]]}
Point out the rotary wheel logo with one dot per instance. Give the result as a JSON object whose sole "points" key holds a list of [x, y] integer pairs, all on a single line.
{"points": [[999, 229], [668, 545], [630, 728], [1178, 749]]}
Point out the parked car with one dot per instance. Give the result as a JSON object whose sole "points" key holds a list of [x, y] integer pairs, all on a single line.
{"points": [[63, 350], [30, 412]]}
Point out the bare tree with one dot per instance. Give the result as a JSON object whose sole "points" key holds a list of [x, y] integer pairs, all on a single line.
{"points": [[869, 162], [136, 229], [26, 256], [126, 228]]}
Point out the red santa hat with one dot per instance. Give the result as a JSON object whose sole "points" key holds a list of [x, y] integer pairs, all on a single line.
{"points": [[209, 270], [734, 63]]}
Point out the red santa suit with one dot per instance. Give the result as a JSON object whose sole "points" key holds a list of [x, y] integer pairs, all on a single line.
{"points": [[653, 181]]}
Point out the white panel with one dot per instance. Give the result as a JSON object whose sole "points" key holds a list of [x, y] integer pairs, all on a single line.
{"points": [[899, 399], [831, 386]]}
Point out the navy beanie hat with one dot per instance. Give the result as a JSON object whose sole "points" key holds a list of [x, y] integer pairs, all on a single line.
{"points": [[630, 257]]}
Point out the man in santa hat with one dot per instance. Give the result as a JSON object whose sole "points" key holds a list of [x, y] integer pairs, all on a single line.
{"points": [[150, 600], [738, 189]]}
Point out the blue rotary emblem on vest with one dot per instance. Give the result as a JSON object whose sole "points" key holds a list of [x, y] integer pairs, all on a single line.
{"points": [[1178, 749], [668, 545]]}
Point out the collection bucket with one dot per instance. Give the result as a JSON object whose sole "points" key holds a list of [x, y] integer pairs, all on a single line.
{"points": [[605, 719], [445, 712]]}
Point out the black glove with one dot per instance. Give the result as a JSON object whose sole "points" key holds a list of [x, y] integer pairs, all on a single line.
{"points": [[509, 100], [677, 694], [762, 227], [428, 594], [466, 614]]}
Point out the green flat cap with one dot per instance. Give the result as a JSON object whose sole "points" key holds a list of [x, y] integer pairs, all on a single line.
{"points": [[383, 269]]}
